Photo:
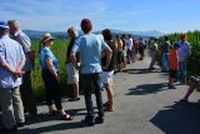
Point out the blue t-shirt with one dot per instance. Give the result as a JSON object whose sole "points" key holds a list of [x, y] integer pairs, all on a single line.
{"points": [[47, 53], [90, 47], [184, 50]]}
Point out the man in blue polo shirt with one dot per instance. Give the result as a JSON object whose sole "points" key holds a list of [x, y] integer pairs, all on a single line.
{"points": [[12, 60], [184, 54], [90, 48]]}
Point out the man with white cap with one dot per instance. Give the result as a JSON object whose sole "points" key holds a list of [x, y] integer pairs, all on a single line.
{"points": [[12, 60]]}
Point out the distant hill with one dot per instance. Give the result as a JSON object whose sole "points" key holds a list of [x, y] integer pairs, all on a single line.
{"points": [[149, 33], [140, 33], [33, 34]]}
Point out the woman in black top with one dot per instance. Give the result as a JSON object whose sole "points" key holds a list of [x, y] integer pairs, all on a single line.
{"points": [[107, 74]]}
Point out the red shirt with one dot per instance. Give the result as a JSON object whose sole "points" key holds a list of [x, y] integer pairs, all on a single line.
{"points": [[173, 59]]}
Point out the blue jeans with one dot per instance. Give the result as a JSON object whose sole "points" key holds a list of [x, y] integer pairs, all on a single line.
{"points": [[88, 83], [129, 55], [182, 71], [165, 62]]}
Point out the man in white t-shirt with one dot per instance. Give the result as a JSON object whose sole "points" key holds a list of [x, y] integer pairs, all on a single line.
{"points": [[129, 49]]}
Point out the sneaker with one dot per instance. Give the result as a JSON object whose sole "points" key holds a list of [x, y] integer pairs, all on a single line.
{"points": [[14, 129], [33, 114], [183, 100], [175, 80], [183, 82], [88, 121], [21, 124], [172, 87], [99, 120], [151, 68]]}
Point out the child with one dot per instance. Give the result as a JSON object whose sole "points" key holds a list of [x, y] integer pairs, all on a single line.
{"points": [[173, 64]]}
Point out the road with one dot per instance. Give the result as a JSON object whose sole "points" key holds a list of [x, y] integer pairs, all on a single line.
{"points": [[143, 104]]}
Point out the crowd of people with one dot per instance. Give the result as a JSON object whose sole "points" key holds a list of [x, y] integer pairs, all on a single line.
{"points": [[174, 59], [91, 61]]}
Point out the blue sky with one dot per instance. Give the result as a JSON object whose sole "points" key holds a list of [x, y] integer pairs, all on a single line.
{"points": [[130, 15]]}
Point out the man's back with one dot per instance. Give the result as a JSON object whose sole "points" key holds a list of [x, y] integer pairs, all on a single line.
{"points": [[120, 45], [90, 47], [11, 52], [184, 50], [130, 43], [24, 40]]}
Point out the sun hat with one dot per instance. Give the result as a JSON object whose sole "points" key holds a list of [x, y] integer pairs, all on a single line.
{"points": [[46, 37], [3, 25]]}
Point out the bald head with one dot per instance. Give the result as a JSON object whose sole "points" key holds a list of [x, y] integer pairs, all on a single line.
{"points": [[14, 26]]}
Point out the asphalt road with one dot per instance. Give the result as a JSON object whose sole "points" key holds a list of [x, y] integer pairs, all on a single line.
{"points": [[143, 104]]}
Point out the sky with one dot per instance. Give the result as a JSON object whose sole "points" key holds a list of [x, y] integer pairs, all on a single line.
{"points": [[166, 16]]}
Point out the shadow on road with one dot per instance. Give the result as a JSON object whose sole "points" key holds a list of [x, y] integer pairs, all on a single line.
{"points": [[140, 71], [147, 89], [31, 120], [180, 118], [44, 117], [52, 128]]}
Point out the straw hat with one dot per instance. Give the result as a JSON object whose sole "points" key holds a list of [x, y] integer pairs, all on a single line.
{"points": [[46, 37]]}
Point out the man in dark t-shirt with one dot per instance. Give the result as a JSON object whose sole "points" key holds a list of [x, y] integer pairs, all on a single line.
{"points": [[107, 73]]}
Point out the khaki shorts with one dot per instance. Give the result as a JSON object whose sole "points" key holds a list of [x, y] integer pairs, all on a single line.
{"points": [[72, 74]]}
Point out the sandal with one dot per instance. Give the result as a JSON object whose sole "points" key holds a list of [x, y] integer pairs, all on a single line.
{"points": [[67, 117]]}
